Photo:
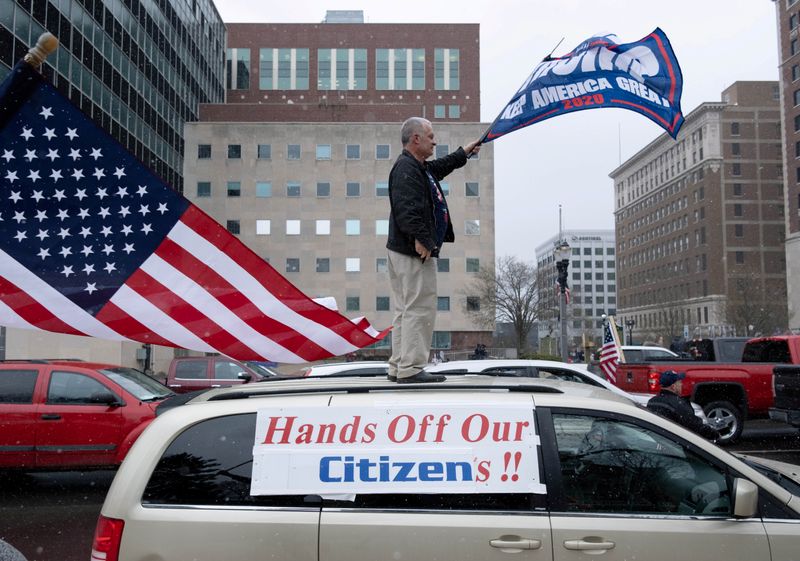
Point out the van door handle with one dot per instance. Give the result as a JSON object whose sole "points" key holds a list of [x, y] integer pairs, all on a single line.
{"points": [[216, 385], [589, 544], [174, 385], [514, 544], [51, 417]]}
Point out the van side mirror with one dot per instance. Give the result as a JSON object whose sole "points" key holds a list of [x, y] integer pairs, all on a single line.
{"points": [[745, 498], [246, 376]]}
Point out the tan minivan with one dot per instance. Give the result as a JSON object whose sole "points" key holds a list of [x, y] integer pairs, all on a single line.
{"points": [[473, 469]]}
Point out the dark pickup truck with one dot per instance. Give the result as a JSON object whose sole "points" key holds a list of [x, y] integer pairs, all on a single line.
{"points": [[786, 387], [728, 392]]}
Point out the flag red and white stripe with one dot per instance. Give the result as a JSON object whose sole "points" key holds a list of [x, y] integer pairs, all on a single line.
{"points": [[609, 352]]}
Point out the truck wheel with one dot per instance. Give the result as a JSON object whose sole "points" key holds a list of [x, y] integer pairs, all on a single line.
{"points": [[728, 419]]}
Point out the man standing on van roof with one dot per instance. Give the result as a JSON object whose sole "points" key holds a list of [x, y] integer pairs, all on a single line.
{"points": [[419, 223]]}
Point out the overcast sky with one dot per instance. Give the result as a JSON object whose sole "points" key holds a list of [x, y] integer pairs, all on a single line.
{"points": [[566, 160]]}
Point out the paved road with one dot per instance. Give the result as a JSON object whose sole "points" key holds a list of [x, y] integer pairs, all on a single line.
{"points": [[51, 516]]}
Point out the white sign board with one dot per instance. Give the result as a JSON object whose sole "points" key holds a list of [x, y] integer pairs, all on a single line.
{"points": [[416, 449]]}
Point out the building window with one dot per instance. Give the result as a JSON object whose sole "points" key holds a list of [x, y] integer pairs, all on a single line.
{"points": [[792, 21], [265, 151], [323, 189], [292, 227], [382, 152], [234, 151], [795, 72], [352, 264], [292, 265], [441, 150], [341, 69], [734, 129], [446, 69], [203, 188], [441, 340], [283, 69], [738, 230], [439, 112], [796, 97], [353, 151], [473, 265], [737, 209], [740, 258], [382, 303], [353, 303], [203, 151], [323, 151], [737, 189], [473, 304], [736, 149], [293, 152], [796, 123], [443, 265], [237, 69], [233, 226], [353, 189], [472, 227], [263, 227], [234, 188], [381, 265], [400, 69], [793, 47], [323, 227], [382, 189], [293, 189], [454, 111], [353, 227], [472, 189], [323, 264], [736, 169], [382, 227], [263, 189], [443, 303]]}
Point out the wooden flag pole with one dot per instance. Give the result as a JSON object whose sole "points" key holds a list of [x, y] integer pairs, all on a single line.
{"points": [[46, 44], [615, 335]]}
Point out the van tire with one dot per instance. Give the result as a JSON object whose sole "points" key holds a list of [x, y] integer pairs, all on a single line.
{"points": [[731, 417]]}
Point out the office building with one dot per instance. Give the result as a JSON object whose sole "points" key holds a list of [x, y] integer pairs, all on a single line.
{"points": [[700, 223], [592, 282], [788, 20], [296, 163]]}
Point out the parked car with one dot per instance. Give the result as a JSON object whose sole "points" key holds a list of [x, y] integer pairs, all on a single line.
{"points": [[469, 469], [729, 392], [70, 414], [786, 388], [355, 368], [193, 373]]}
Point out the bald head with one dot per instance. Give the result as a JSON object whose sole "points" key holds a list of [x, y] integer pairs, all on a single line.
{"points": [[412, 126]]}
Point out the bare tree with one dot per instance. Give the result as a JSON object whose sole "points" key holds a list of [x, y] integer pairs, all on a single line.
{"points": [[508, 293], [752, 311]]}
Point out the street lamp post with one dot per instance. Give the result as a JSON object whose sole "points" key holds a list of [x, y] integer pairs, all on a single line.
{"points": [[562, 254], [630, 323]]}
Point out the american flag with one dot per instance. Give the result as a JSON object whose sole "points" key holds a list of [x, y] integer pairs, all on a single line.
{"points": [[609, 354], [566, 292], [93, 243]]}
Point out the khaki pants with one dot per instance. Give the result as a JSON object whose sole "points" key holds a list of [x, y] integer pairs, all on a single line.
{"points": [[414, 295]]}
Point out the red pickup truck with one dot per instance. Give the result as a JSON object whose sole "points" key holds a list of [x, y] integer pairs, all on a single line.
{"points": [[58, 414], [194, 373], [729, 392]]}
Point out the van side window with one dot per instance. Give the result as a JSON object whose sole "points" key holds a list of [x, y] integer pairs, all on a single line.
{"points": [[211, 463], [191, 369], [16, 386], [609, 465]]}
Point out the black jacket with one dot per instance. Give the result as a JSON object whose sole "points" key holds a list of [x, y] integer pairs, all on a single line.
{"points": [[411, 201], [679, 410]]}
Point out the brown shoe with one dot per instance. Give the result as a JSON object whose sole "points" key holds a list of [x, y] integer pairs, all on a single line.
{"points": [[422, 377]]}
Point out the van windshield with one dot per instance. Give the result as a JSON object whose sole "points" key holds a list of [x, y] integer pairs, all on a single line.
{"points": [[142, 386]]}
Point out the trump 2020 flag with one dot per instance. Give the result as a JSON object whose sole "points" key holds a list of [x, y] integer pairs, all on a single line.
{"points": [[93, 243], [643, 76]]}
